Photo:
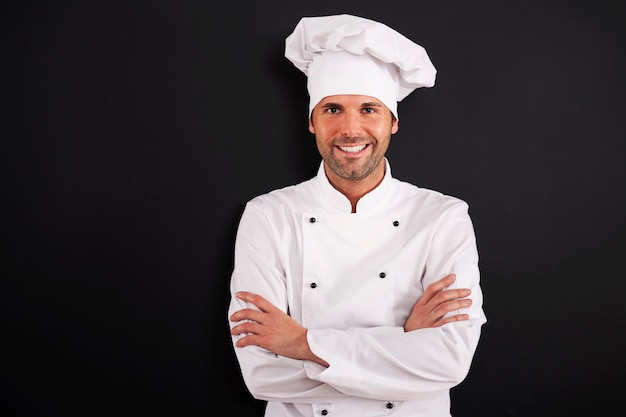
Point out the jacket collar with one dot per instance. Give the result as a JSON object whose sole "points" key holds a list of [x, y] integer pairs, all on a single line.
{"points": [[336, 202]]}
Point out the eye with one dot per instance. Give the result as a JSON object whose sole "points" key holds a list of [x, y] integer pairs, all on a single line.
{"points": [[332, 110], [369, 110]]}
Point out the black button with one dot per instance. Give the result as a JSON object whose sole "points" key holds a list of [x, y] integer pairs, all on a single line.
{"points": [[382, 275], [389, 405], [324, 412], [396, 223], [313, 285], [312, 220]]}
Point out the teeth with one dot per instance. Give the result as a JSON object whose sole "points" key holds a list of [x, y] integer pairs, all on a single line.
{"points": [[353, 149]]}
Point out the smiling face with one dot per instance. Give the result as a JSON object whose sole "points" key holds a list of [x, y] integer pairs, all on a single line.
{"points": [[352, 134]]}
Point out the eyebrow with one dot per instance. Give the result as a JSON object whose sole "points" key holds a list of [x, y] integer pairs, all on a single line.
{"points": [[331, 105]]}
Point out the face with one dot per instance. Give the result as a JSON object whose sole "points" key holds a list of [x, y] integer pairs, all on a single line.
{"points": [[352, 134]]}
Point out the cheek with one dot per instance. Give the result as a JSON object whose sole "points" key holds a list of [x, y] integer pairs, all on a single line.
{"points": [[323, 130], [382, 132]]}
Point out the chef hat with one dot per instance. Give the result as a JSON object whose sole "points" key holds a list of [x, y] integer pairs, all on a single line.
{"points": [[345, 54]]}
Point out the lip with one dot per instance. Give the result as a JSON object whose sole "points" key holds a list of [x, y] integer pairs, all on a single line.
{"points": [[353, 153]]}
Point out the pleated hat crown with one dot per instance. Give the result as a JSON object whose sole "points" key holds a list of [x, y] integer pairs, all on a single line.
{"points": [[346, 54]]}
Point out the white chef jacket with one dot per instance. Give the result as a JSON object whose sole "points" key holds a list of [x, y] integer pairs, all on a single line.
{"points": [[351, 279]]}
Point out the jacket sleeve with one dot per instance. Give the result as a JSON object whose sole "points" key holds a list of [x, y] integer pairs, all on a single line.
{"points": [[257, 268], [413, 365]]}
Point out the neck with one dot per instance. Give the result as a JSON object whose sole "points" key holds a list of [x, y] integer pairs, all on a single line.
{"points": [[355, 189]]}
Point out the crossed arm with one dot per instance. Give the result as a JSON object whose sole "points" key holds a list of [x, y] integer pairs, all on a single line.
{"points": [[271, 328]]}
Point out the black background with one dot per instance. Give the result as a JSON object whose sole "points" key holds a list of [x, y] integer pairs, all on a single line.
{"points": [[133, 133]]}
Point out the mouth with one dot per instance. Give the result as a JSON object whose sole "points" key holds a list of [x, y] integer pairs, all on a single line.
{"points": [[353, 150]]}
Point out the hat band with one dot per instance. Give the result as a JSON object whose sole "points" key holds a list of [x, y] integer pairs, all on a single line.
{"points": [[341, 72]]}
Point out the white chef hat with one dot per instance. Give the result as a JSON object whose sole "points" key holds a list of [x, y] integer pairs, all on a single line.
{"points": [[345, 54]]}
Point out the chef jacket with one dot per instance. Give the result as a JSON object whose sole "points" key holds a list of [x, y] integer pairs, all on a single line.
{"points": [[351, 279]]}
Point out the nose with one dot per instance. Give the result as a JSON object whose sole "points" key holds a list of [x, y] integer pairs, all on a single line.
{"points": [[351, 125]]}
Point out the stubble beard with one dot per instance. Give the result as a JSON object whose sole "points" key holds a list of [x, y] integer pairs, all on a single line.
{"points": [[353, 170]]}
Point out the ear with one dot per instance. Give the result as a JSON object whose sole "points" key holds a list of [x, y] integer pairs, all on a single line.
{"points": [[311, 127], [394, 126]]}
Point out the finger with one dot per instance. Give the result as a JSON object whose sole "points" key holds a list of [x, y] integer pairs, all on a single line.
{"points": [[256, 299], [447, 295], [452, 319], [436, 287], [444, 308], [247, 327], [248, 314], [248, 340]]}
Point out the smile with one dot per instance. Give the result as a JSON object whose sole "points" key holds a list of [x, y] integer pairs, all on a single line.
{"points": [[352, 149]]}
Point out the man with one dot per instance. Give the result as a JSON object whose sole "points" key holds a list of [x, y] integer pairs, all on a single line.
{"points": [[353, 293]]}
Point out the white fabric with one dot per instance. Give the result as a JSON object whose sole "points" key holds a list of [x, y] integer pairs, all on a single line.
{"points": [[345, 73], [322, 37], [354, 315]]}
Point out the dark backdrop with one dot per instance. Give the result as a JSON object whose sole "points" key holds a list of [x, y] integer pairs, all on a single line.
{"points": [[133, 133]]}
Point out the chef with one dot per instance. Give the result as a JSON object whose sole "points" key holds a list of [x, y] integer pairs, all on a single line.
{"points": [[354, 293]]}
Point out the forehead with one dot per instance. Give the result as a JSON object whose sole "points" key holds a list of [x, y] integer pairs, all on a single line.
{"points": [[351, 100]]}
